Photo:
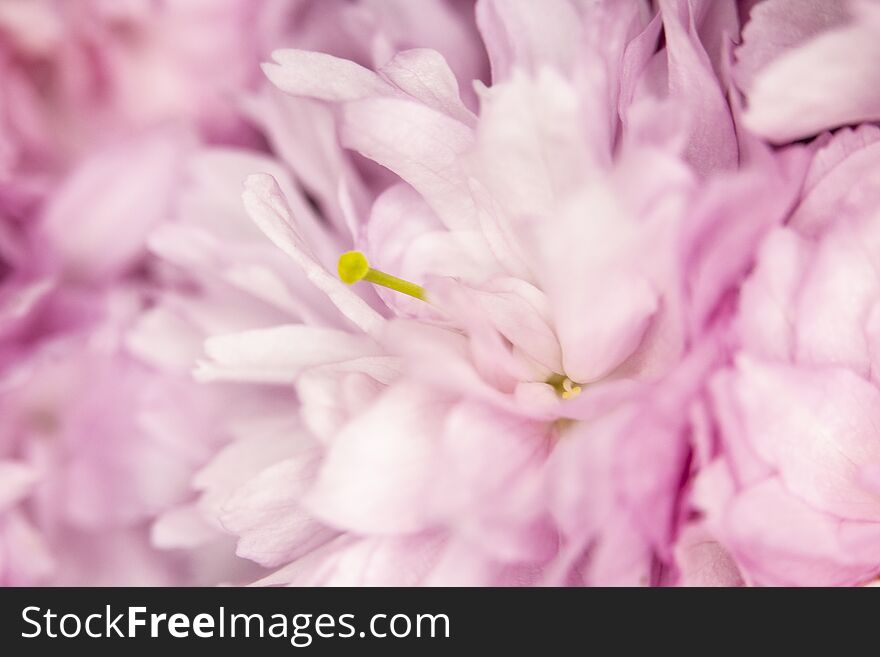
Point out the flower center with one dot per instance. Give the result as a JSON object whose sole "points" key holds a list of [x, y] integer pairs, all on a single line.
{"points": [[565, 387], [353, 267]]}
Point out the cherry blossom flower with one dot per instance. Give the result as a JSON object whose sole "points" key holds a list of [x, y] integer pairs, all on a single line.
{"points": [[446, 293], [109, 105], [516, 410]]}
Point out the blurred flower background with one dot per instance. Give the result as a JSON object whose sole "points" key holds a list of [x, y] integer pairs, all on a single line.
{"points": [[433, 292]]}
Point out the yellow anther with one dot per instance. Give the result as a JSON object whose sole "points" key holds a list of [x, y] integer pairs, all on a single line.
{"points": [[353, 267], [569, 394], [565, 387]]}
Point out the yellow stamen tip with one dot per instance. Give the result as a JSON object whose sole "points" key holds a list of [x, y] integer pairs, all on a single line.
{"points": [[570, 394], [353, 267], [564, 387]]}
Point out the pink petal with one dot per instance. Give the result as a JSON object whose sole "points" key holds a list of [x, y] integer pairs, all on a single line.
{"points": [[703, 561], [492, 488], [376, 475], [267, 206], [775, 27], [373, 561], [533, 145], [621, 557], [129, 186], [836, 295], [520, 312], [303, 135], [16, 481], [331, 395], [183, 527], [828, 81], [780, 541], [728, 222], [241, 460], [424, 75], [419, 144], [581, 475], [280, 353], [718, 22], [712, 143], [322, 76], [447, 27], [165, 339], [25, 556], [817, 426], [266, 513], [767, 314], [843, 179], [519, 33], [601, 320]]}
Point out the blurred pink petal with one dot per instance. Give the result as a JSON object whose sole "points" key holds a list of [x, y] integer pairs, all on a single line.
{"points": [[375, 477], [825, 82], [704, 562], [775, 27], [141, 197]]}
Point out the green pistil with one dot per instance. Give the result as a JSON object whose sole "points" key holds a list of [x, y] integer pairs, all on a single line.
{"points": [[353, 267]]}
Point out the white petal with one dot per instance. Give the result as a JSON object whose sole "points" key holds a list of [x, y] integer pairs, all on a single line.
{"points": [[322, 76], [280, 353]]}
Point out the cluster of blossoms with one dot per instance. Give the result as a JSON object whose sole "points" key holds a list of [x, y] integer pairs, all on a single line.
{"points": [[570, 292]]}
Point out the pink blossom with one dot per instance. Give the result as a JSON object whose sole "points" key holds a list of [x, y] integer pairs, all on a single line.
{"points": [[103, 426], [530, 423], [792, 496], [88, 422], [446, 293], [234, 280]]}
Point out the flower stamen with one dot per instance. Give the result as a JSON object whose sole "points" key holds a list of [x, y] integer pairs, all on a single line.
{"points": [[565, 387], [353, 267], [569, 389]]}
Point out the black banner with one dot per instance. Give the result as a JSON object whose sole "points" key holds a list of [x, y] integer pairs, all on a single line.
{"points": [[423, 621]]}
